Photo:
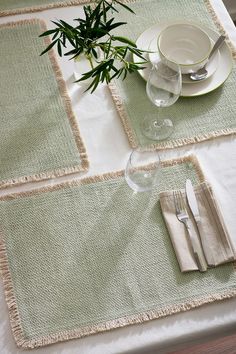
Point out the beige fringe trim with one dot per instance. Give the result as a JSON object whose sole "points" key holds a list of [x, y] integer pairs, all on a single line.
{"points": [[24, 343], [215, 18], [220, 26], [14, 315], [165, 144], [72, 120], [42, 7], [15, 319], [191, 159], [178, 142], [50, 6], [81, 2], [123, 115]]}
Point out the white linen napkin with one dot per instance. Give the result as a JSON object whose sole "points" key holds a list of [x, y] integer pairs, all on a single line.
{"points": [[214, 237]]}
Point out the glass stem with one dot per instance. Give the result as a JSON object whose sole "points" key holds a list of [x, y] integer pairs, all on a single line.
{"points": [[159, 119]]}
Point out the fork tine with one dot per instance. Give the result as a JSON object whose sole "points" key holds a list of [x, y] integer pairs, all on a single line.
{"points": [[182, 216]]}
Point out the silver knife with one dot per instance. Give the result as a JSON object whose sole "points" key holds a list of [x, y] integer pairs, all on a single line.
{"points": [[192, 202]]}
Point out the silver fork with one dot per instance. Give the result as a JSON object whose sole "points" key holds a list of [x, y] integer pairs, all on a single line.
{"points": [[182, 216]]}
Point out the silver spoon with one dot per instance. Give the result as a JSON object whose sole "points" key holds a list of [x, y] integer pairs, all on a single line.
{"points": [[202, 73]]}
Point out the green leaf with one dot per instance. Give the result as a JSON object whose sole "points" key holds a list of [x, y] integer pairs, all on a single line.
{"points": [[108, 48], [71, 52], [114, 25], [137, 53], [66, 25], [124, 40], [55, 35], [125, 74], [64, 40], [47, 33], [109, 22], [70, 40], [94, 53], [57, 24], [109, 5], [95, 84], [59, 48], [114, 75], [86, 36], [125, 6], [98, 32], [77, 54], [120, 72], [49, 47]]}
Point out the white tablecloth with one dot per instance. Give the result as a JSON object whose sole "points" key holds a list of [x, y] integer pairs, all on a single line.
{"points": [[108, 150]]}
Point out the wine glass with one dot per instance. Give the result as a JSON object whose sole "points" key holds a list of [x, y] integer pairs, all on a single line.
{"points": [[163, 89], [141, 173]]}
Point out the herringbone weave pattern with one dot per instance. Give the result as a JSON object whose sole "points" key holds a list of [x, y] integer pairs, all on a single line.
{"points": [[195, 119], [39, 137], [87, 258], [11, 7]]}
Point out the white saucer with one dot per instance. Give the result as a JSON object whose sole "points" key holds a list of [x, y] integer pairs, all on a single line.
{"points": [[211, 65], [201, 87]]}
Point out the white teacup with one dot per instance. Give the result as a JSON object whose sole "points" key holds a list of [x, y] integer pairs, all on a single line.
{"points": [[185, 44]]}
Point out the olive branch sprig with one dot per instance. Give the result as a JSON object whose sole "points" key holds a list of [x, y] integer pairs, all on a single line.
{"points": [[110, 56]]}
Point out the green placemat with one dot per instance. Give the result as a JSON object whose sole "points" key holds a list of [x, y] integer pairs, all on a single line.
{"points": [[195, 119], [12, 7], [39, 137], [90, 256]]}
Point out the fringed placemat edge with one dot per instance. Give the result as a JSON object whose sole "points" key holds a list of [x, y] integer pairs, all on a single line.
{"points": [[15, 320], [42, 7], [70, 115], [138, 318], [103, 177], [177, 142], [220, 26], [162, 145]]}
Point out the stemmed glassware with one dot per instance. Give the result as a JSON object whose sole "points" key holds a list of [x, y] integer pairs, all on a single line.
{"points": [[141, 173], [163, 89]]}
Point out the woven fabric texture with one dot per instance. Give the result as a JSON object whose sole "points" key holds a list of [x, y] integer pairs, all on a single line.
{"points": [[195, 119], [82, 258], [11, 7], [39, 137]]}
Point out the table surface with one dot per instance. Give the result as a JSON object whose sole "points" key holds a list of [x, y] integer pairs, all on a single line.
{"points": [[108, 150]]}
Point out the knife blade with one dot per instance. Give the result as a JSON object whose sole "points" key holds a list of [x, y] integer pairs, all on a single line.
{"points": [[192, 201], [193, 204]]}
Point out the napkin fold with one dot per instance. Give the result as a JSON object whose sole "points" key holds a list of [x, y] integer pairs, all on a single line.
{"points": [[213, 237]]}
